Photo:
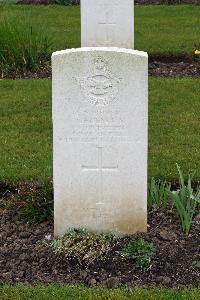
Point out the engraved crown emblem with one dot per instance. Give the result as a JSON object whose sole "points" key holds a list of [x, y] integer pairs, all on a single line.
{"points": [[101, 87], [100, 63]]}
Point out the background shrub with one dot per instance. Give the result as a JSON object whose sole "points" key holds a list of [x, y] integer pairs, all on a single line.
{"points": [[23, 46]]}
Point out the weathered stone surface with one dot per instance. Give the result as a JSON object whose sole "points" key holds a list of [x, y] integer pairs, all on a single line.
{"points": [[100, 139], [107, 23]]}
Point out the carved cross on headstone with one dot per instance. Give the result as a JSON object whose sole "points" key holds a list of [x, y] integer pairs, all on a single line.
{"points": [[109, 22], [100, 167]]}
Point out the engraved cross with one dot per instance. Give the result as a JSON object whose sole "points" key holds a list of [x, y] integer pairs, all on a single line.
{"points": [[109, 24], [100, 168]]}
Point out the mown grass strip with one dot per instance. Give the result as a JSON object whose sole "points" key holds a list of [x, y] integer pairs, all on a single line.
{"points": [[174, 135], [158, 29], [51, 292], [26, 128]]}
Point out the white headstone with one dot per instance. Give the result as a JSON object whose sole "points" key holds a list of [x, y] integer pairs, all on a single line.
{"points": [[100, 139], [107, 23]]}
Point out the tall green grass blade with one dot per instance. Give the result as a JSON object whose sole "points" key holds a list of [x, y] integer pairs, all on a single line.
{"points": [[158, 192], [23, 46]]}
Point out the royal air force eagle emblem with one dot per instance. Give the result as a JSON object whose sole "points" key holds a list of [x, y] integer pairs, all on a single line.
{"points": [[100, 88]]}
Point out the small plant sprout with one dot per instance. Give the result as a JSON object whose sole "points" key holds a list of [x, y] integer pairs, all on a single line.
{"points": [[141, 251], [185, 201], [158, 192]]}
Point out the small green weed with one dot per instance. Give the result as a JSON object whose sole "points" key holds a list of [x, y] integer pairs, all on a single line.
{"points": [[32, 213], [141, 251], [83, 246], [185, 201], [158, 192], [196, 264]]}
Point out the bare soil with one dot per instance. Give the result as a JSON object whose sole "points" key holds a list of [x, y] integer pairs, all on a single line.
{"points": [[159, 66], [168, 2], [21, 260], [174, 66], [137, 2]]}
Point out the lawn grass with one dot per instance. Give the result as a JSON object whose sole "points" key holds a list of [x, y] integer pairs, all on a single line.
{"points": [[158, 29], [174, 135], [26, 130], [51, 292]]}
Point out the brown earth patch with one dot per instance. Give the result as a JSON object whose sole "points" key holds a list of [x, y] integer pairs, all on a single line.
{"points": [[36, 2], [173, 264], [166, 2], [159, 66], [174, 66], [137, 2]]}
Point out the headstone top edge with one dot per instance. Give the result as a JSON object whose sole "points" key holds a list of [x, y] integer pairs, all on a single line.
{"points": [[96, 49]]}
